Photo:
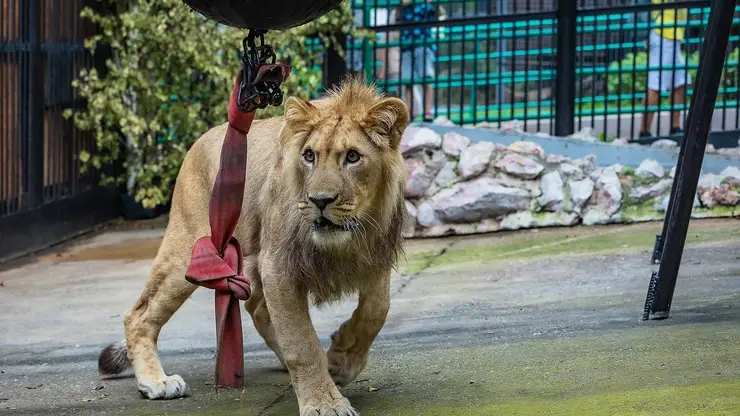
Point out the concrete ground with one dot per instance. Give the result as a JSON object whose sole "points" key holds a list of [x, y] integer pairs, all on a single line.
{"points": [[528, 323]]}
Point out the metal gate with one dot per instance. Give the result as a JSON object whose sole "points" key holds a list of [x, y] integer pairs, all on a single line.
{"points": [[44, 197]]}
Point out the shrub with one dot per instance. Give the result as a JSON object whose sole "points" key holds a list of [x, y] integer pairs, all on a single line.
{"points": [[168, 80]]}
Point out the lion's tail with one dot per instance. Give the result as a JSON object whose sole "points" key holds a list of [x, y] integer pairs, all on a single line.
{"points": [[114, 359]]}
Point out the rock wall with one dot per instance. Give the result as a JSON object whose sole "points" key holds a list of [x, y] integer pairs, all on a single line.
{"points": [[458, 187]]}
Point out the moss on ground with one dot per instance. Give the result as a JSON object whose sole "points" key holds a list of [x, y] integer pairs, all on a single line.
{"points": [[563, 242]]}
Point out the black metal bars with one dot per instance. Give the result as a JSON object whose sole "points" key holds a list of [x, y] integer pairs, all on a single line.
{"points": [[44, 196], [565, 98], [714, 50]]}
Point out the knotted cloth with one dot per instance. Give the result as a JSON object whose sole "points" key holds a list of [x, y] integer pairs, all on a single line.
{"points": [[217, 260]]}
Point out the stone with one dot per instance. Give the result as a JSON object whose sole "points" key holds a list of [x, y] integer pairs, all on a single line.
{"points": [[529, 148], [552, 196], [553, 158], [709, 180], [661, 204], [580, 192], [512, 126], [585, 134], [478, 199], [620, 142], [426, 216], [443, 121], [512, 182], [416, 138], [666, 144], [554, 219], [486, 125], [720, 195], [518, 220], [615, 169], [597, 216], [650, 168], [608, 193], [454, 143], [411, 210], [410, 224], [442, 230], [422, 169], [644, 193], [572, 171], [419, 178], [728, 151], [525, 219], [586, 164], [710, 148], [730, 172], [475, 158], [520, 166], [447, 175]]}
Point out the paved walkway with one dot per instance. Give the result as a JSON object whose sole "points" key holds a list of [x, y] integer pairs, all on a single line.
{"points": [[528, 323]]}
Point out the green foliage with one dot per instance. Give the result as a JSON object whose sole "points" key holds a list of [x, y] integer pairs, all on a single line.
{"points": [[168, 80], [633, 76]]}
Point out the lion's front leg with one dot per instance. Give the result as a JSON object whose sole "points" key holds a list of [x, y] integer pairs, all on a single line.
{"points": [[306, 361], [350, 344]]}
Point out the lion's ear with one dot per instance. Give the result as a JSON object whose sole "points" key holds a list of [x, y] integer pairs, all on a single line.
{"points": [[300, 115], [385, 122]]}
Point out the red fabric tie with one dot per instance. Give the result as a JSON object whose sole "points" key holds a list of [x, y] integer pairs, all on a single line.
{"points": [[217, 260]]}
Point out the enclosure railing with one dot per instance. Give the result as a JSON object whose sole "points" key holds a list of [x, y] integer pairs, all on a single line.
{"points": [[43, 193], [498, 60]]}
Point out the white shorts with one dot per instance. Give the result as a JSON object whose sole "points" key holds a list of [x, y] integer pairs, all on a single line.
{"points": [[666, 53]]}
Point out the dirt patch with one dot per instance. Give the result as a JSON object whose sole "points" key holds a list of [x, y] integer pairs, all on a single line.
{"points": [[134, 249]]}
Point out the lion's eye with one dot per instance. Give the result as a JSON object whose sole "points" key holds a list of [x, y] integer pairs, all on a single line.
{"points": [[353, 156], [309, 156]]}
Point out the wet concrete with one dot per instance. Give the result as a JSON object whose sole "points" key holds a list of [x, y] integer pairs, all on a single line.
{"points": [[530, 323]]}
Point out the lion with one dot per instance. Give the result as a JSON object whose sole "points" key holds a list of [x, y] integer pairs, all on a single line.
{"points": [[322, 219]]}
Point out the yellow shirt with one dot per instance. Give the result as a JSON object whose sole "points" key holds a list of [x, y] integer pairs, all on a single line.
{"points": [[673, 25]]}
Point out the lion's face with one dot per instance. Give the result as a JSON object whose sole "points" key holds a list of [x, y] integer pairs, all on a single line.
{"points": [[339, 168], [347, 166]]}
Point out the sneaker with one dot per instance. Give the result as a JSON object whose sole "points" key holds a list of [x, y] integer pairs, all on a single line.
{"points": [[646, 134], [676, 130]]}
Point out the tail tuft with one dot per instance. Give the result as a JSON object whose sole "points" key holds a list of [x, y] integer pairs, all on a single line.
{"points": [[113, 359]]}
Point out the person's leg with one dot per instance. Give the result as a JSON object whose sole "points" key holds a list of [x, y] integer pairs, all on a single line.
{"points": [[408, 98], [428, 90], [678, 96], [652, 98]]}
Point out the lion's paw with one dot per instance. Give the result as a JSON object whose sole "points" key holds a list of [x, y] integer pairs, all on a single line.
{"points": [[170, 387], [345, 366], [335, 407]]}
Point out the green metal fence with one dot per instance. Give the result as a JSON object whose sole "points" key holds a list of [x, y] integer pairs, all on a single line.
{"points": [[497, 60]]}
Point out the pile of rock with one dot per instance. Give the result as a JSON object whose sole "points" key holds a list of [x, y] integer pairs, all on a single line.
{"points": [[458, 187]]}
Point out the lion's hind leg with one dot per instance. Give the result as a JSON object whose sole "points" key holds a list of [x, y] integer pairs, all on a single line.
{"points": [[163, 295]]}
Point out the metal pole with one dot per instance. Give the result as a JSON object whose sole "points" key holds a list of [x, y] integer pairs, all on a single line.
{"points": [[714, 50], [35, 110], [565, 94]]}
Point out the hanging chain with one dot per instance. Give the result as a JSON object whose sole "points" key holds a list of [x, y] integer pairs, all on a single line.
{"points": [[261, 79]]}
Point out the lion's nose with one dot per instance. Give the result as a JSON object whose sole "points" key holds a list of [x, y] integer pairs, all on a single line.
{"points": [[321, 201]]}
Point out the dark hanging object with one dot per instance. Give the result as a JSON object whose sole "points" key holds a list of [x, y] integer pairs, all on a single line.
{"points": [[262, 14]]}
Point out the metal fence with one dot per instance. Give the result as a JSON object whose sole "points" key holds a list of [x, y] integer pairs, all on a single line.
{"points": [[555, 65], [43, 195]]}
